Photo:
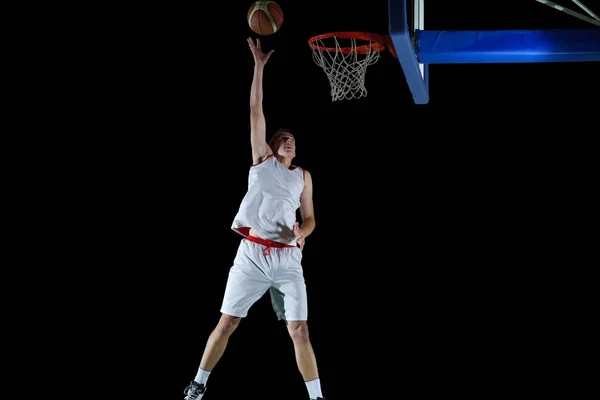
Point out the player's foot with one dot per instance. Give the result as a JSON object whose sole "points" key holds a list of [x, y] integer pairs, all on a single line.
{"points": [[195, 391], [319, 398]]}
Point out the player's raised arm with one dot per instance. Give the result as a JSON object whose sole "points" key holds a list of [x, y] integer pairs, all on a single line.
{"points": [[258, 127]]}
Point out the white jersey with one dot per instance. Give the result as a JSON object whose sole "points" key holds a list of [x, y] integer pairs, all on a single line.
{"points": [[270, 204]]}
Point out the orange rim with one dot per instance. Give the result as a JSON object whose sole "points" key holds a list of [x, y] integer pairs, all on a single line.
{"points": [[378, 42]]}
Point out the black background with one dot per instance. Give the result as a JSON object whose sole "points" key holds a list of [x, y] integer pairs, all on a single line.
{"points": [[415, 205]]}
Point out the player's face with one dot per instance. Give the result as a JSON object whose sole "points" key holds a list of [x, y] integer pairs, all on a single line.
{"points": [[287, 146]]}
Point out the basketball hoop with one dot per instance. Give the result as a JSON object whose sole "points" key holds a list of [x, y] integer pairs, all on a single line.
{"points": [[346, 66]]}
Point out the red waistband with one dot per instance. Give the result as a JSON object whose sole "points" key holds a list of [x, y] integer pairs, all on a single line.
{"points": [[268, 243]]}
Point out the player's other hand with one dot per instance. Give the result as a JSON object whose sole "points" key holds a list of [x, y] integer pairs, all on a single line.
{"points": [[260, 58], [299, 233]]}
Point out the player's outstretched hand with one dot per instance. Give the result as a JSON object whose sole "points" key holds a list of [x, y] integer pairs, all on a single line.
{"points": [[260, 58]]}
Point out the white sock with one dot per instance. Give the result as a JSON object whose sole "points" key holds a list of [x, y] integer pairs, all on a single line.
{"points": [[314, 388], [202, 376]]}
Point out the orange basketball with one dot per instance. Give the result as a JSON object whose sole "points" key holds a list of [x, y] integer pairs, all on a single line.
{"points": [[265, 17]]}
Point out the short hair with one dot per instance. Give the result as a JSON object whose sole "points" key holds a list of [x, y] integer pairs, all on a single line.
{"points": [[276, 138]]}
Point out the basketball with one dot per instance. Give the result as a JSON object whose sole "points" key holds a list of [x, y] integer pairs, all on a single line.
{"points": [[265, 17]]}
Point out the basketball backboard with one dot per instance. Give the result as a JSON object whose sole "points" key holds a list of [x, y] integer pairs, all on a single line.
{"points": [[406, 17], [418, 47]]}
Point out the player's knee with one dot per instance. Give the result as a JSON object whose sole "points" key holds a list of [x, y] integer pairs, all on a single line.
{"points": [[227, 324], [298, 331]]}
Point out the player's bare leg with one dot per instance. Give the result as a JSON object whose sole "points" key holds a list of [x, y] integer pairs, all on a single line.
{"points": [[305, 357], [217, 341], [215, 347]]}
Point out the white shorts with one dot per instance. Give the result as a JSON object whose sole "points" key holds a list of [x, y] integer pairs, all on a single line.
{"points": [[255, 271]]}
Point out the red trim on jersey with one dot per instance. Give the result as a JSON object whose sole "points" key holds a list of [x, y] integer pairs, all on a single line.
{"points": [[291, 168], [266, 158]]}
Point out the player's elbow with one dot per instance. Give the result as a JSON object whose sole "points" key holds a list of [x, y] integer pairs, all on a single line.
{"points": [[255, 107]]}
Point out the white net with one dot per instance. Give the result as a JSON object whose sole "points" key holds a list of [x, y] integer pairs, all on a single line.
{"points": [[345, 70]]}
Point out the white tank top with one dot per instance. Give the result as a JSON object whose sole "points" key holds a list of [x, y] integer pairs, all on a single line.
{"points": [[270, 204]]}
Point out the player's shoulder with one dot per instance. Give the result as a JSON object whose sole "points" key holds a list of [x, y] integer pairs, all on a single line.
{"points": [[298, 168], [306, 175], [261, 160]]}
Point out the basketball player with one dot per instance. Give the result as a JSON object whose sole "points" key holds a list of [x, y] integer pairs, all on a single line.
{"points": [[270, 254]]}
